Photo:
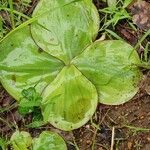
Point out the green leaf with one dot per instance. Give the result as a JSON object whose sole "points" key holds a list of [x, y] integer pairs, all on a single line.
{"points": [[25, 110], [35, 124], [29, 101], [127, 3], [112, 3], [70, 100], [112, 67], [66, 30], [46, 141], [3, 144], [49, 141], [30, 94], [24, 65], [21, 140]]}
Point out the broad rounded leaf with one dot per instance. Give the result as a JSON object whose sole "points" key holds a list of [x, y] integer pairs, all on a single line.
{"points": [[111, 67], [24, 65], [65, 27], [49, 141], [21, 140], [70, 100]]}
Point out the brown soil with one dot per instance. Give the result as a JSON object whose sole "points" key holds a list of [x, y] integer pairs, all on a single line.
{"points": [[131, 120]]}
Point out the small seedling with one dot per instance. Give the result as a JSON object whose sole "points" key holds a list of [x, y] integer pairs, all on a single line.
{"points": [[46, 141], [30, 101]]}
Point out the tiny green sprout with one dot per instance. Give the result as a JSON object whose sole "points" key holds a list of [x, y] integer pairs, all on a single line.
{"points": [[29, 101]]}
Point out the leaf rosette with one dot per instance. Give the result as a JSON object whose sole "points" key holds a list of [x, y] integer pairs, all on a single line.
{"points": [[72, 72]]}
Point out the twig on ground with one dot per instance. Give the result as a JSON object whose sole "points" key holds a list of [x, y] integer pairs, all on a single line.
{"points": [[112, 138]]}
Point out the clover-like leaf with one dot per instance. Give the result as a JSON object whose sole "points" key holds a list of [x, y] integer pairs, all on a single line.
{"points": [[21, 140], [70, 100], [58, 56], [112, 67], [67, 28], [24, 65], [49, 141]]}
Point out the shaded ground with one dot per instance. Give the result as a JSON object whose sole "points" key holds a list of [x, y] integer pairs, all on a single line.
{"points": [[131, 121]]}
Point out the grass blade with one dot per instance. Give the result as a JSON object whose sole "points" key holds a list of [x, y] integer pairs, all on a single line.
{"points": [[11, 13]]}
